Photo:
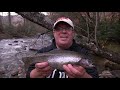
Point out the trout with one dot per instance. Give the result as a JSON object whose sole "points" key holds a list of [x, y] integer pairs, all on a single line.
{"points": [[57, 58]]}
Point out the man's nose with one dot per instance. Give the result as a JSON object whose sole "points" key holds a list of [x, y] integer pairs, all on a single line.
{"points": [[64, 30]]}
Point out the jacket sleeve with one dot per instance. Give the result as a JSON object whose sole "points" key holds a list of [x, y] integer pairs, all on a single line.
{"points": [[93, 72]]}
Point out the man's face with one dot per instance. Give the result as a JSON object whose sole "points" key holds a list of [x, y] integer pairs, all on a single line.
{"points": [[63, 34]]}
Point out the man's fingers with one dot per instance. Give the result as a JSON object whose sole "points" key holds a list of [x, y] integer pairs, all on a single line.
{"points": [[41, 65], [48, 68], [65, 67], [68, 71], [73, 70], [79, 68]]}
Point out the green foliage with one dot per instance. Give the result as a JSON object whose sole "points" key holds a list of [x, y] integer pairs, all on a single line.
{"points": [[109, 31]]}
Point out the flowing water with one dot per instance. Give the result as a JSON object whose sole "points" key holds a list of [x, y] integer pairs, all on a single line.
{"points": [[12, 51]]}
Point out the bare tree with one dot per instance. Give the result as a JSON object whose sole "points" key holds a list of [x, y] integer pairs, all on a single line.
{"points": [[9, 19], [41, 20], [96, 26], [38, 18], [87, 23], [1, 25]]}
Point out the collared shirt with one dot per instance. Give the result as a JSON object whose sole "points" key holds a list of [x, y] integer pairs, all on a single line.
{"points": [[61, 74]]}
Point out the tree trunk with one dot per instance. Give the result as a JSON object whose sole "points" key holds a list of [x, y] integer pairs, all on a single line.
{"points": [[9, 19], [1, 25], [110, 55], [87, 23], [48, 23], [38, 18], [96, 27]]}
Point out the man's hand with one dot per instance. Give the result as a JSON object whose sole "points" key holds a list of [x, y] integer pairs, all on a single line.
{"points": [[76, 71], [41, 70]]}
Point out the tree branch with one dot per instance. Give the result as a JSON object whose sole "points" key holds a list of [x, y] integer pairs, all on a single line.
{"points": [[48, 23]]}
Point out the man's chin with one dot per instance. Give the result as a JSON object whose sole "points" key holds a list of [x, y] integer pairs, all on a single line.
{"points": [[64, 39], [63, 43]]}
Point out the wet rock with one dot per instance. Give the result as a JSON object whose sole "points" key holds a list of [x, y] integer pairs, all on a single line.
{"points": [[2, 71], [14, 73], [10, 44], [106, 74], [111, 65], [15, 41], [22, 41], [116, 73]]}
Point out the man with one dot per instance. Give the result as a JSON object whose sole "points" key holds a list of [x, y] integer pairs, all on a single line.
{"points": [[63, 31]]}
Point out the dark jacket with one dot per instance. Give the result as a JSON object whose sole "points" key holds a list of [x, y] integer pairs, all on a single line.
{"points": [[61, 74]]}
